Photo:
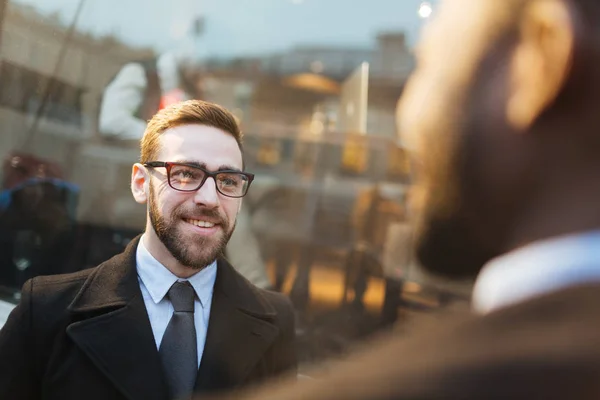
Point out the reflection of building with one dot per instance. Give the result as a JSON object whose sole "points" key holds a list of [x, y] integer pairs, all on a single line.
{"points": [[31, 44], [390, 63], [390, 60], [270, 103], [290, 129], [332, 61], [308, 174], [254, 89], [278, 116]]}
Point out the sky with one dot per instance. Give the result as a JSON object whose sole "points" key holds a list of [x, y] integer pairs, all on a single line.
{"points": [[241, 27]]}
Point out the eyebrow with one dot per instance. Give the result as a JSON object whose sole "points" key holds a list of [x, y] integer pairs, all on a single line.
{"points": [[200, 164], [226, 167]]}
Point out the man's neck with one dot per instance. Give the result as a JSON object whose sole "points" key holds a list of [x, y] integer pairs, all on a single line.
{"points": [[569, 208], [158, 250]]}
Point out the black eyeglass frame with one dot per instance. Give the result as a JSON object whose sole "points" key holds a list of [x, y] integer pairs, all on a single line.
{"points": [[207, 174]]}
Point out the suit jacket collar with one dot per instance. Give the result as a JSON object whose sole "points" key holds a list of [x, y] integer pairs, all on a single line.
{"points": [[244, 295], [114, 331], [112, 328], [241, 329], [113, 283]]}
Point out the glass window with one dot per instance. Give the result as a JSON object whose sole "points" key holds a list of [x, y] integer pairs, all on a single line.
{"points": [[314, 86]]}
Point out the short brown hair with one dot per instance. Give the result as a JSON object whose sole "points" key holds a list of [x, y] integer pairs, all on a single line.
{"points": [[186, 113]]}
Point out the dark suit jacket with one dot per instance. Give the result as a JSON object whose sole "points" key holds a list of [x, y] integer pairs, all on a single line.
{"points": [[547, 348], [87, 336]]}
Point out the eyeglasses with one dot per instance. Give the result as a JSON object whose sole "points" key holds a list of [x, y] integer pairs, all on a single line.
{"points": [[189, 178]]}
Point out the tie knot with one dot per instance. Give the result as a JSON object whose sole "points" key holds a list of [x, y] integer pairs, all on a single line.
{"points": [[182, 296]]}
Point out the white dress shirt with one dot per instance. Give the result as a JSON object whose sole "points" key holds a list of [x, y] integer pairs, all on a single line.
{"points": [[156, 280], [537, 269]]}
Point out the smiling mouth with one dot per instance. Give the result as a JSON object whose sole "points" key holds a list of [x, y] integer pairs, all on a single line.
{"points": [[200, 223]]}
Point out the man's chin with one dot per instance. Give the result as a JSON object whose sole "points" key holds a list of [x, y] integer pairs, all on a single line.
{"points": [[447, 250], [206, 248], [199, 258]]}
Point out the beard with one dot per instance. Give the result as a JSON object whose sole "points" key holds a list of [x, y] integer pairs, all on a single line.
{"points": [[194, 252], [453, 222], [449, 247]]}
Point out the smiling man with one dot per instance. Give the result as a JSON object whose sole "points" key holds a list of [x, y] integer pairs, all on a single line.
{"points": [[170, 316]]}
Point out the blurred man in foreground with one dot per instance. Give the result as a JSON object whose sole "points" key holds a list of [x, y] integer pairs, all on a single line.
{"points": [[508, 137]]}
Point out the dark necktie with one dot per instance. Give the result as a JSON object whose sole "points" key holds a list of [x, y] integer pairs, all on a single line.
{"points": [[178, 349]]}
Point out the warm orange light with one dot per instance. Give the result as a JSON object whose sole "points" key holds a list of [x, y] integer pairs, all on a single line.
{"points": [[313, 83]]}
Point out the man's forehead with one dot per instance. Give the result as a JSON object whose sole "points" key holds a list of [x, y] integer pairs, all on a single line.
{"points": [[201, 143]]}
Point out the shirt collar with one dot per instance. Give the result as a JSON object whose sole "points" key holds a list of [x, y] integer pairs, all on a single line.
{"points": [[537, 269], [158, 279]]}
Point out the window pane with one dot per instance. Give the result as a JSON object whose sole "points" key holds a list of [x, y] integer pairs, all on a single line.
{"points": [[314, 86]]}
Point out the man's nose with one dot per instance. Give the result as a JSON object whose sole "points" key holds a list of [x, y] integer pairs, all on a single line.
{"points": [[207, 195]]}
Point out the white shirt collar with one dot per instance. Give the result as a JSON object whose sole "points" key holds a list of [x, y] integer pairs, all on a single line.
{"points": [[158, 279], [537, 269]]}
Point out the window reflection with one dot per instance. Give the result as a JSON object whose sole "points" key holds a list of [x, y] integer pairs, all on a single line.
{"points": [[327, 215]]}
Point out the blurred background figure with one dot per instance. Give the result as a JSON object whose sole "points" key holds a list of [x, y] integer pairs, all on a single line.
{"points": [[142, 88], [37, 219], [314, 86]]}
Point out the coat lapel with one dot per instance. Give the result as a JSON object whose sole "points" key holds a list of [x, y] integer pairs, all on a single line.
{"points": [[240, 331], [114, 331]]}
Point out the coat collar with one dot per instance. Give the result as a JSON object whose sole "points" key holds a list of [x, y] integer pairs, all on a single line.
{"points": [[114, 331], [114, 283], [241, 330]]}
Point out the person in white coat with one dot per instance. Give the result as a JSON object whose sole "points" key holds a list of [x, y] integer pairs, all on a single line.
{"points": [[173, 76]]}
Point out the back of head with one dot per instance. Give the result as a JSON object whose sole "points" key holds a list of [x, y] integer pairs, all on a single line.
{"points": [[507, 133]]}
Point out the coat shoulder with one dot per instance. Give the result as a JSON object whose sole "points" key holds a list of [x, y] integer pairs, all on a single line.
{"points": [[57, 290], [278, 300]]}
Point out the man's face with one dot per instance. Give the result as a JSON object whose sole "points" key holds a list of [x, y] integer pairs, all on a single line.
{"points": [[180, 219], [452, 116]]}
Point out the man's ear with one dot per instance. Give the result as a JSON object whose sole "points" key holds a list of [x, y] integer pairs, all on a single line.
{"points": [[140, 181], [541, 61]]}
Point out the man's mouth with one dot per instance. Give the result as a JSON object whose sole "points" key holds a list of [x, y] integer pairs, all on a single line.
{"points": [[201, 223]]}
